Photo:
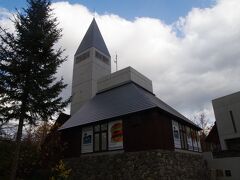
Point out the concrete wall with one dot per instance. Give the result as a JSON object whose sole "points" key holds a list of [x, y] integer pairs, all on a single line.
{"points": [[123, 76], [222, 107], [218, 166], [85, 76], [149, 165]]}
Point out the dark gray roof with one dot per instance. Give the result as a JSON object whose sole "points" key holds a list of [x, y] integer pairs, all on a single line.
{"points": [[125, 99], [93, 38]]}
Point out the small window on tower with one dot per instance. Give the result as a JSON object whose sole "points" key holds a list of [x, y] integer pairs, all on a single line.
{"points": [[101, 57], [82, 57]]}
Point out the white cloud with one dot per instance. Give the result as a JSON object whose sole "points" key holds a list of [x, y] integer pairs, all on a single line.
{"points": [[5, 19], [191, 62]]}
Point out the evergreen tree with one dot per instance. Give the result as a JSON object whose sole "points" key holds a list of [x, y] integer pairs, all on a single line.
{"points": [[29, 90]]}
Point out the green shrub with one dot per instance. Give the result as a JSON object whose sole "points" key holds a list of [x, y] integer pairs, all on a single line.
{"points": [[60, 172]]}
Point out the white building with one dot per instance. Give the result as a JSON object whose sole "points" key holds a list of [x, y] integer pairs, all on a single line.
{"points": [[225, 165], [227, 114]]}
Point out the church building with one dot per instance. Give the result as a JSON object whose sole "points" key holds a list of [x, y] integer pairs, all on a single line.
{"points": [[119, 111]]}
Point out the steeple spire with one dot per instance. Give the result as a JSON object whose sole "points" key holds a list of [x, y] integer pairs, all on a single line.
{"points": [[93, 38]]}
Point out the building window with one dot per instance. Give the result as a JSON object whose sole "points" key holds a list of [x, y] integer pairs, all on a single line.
{"points": [[233, 144], [233, 121], [96, 142], [176, 135], [198, 142], [228, 173], [183, 136], [101, 57], [194, 140], [189, 139], [100, 137], [82, 57], [219, 172], [115, 135], [104, 136], [87, 140], [104, 141]]}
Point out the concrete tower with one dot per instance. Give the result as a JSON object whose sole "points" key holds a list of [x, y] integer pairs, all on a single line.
{"points": [[91, 62]]}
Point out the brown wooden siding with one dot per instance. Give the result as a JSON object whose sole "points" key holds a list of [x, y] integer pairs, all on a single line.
{"points": [[147, 130]]}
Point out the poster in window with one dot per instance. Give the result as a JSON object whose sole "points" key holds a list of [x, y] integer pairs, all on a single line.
{"points": [[194, 139], [87, 140], [115, 135], [176, 134], [189, 139]]}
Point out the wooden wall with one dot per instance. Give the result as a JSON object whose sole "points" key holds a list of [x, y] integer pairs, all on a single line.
{"points": [[72, 140], [148, 130]]}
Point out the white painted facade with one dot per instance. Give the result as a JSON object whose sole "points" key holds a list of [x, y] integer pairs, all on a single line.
{"points": [[227, 114], [122, 77], [223, 165], [228, 125]]}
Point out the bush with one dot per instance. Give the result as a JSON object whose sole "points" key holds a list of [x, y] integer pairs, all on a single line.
{"points": [[6, 152], [28, 160], [60, 172]]}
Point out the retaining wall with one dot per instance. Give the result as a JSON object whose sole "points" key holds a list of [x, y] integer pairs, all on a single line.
{"points": [[149, 165]]}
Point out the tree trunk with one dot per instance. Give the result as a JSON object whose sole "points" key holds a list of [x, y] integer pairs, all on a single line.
{"points": [[18, 138], [17, 150]]}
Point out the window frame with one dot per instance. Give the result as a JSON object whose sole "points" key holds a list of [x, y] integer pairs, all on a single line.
{"points": [[102, 57], [100, 132], [183, 132], [183, 136], [82, 57]]}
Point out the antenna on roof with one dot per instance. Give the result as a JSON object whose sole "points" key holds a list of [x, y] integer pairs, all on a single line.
{"points": [[116, 61]]}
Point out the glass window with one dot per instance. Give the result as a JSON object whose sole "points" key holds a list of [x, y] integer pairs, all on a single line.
{"points": [[104, 141], [183, 136], [100, 137], [82, 57], [195, 140], [87, 139], [101, 57], [103, 127], [97, 128], [189, 139], [198, 142], [96, 142]]}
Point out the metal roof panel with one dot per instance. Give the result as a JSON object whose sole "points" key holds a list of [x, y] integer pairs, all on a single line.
{"points": [[93, 38], [125, 99]]}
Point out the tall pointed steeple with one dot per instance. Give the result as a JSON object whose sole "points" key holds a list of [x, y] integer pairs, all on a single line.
{"points": [[91, 62], [93, 38]]}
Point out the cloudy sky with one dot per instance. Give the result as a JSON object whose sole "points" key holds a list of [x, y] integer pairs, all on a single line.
{"points": [[190, 51]]}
